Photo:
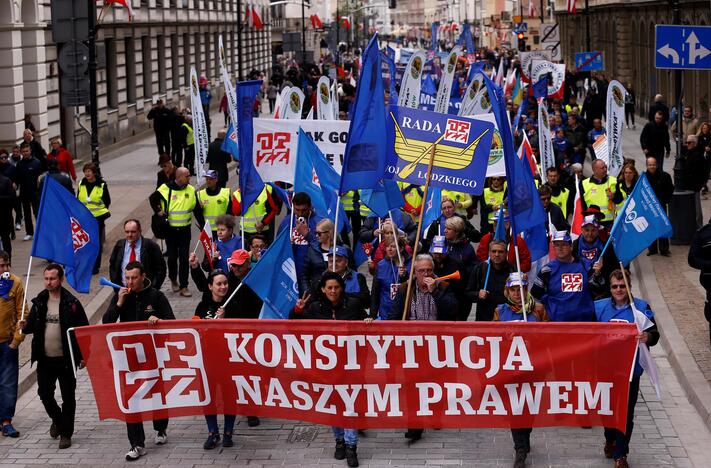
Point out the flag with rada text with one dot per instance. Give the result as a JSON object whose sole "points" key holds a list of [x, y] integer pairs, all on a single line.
{"points": [[67, 233]]}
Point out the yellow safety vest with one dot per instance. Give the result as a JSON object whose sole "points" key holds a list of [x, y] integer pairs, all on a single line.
{"points": [[619, 205], [180, 206], [568, 108], [190, 139], [214, 205], [347, 200], [492, 199], [363, 210], [464, 198], [595, 194], [412, 196], [562, 201], [256, 212], [93, 201]]}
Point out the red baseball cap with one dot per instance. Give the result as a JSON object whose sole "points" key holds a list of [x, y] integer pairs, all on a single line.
{"points": [[238, 257]]}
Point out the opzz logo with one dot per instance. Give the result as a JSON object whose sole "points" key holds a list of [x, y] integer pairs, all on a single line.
{"points": [[158, 369], [571, 282], [457, 131]]}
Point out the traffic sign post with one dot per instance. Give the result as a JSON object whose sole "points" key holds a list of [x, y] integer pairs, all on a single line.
{"points": [[683, 47], [589, 61]]}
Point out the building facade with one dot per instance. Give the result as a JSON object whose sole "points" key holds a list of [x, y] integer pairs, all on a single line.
{"points": [[624, 31], [146, 59]]}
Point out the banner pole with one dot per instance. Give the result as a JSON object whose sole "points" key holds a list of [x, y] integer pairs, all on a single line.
{"points": [[408, 295], [291, 225], [395, 232], [627, 284], [518, 267], [232, 295], [27, 284], [335, 229], [71, 352]]}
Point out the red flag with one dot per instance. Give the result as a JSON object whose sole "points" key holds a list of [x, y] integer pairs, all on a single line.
{"points": [[256, 19], [207, 244], [526, 150], [345, 22], [572, 9], [531, 9], [577, 226], [125, 3], [319, 23]]}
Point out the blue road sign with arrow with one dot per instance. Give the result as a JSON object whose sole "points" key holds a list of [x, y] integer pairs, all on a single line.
{"points": [[683, 47], [589, 61]]}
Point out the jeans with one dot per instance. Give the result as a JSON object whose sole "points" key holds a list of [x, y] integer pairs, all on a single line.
{"points": [[178, 245], [349, 435], [49, 371], [136, 436], [214, 428], [29, 206], [622, 440], [9, 371]]}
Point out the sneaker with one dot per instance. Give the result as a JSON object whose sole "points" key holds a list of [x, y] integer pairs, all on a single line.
{"points": [[227, 440], [54, 431], [211, 442], [352, 455], [185, 293], [65, 442], [340, 452], [161, 438], [18, 226], [253, 421], [135, 453], [622, 462], [9, 431], [609, 448], [27, 237], [174, 286]]}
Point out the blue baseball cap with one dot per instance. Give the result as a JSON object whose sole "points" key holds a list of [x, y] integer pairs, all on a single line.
{"points": [[517, 279], [563, 236], [439, 245], [211, 173], [340, 251]]}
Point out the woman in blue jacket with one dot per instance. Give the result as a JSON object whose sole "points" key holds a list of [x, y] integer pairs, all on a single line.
{"points": [[389, 274], [618, 308], [226, 243]]}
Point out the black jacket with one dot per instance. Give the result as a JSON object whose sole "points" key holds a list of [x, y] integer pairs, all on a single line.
{"points": [[695, 169], [28, 172], [322, 309], [557, 218], [60, 177], [71, 315], [655, 139], [497, 280], [314, 266], [218, 160], [662, 185], [151, 259], [162, 119], [139, 306], [371, 224], [249, 305], [444, 298], [700, 250], [658, 107]]}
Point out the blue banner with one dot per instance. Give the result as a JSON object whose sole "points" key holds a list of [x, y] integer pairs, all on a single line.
{"points": [[462, 149], [435, 27], [641, 221], [383, 199], [251, 185], [67, 233], [229, 144], [466, 39], [433, 209]]}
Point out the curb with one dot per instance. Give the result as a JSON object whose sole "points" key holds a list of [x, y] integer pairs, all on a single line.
{"points": [[687, 371]]}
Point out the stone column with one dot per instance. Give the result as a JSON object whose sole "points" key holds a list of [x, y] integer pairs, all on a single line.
{"points": [[34, 78], [624, 58], [12, 109]]}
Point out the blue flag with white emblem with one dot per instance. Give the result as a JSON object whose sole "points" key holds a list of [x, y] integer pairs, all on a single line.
{"points": [[641, 221], [433, 209], [67, 233], [229, 144], [540, 88], [251, 185], [273, 279]]}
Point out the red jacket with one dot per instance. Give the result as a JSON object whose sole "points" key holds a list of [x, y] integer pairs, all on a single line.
{"points": [[482, 252], [64, 162]]}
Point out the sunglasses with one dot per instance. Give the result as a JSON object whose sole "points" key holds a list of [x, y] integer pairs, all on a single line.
{"points": [[618, 286], [318, 233]]}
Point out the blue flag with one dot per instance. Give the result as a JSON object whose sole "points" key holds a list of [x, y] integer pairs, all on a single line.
{"points": [[383, 199], [641, 221], [500, 233], [435, 27], [251, 185], [315, 176], [474, 68], [67, 233], [466, 39], [366, 148], [540, 88], [428, 85], [525, 208], [282, 194], [273, 279], [392, 71], [521, 110], [433, 209], [229, 144]]}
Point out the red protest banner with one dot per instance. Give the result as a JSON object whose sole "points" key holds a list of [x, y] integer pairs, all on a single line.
{"points": [[352, 374]]}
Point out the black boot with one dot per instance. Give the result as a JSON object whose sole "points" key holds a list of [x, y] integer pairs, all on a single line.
{"points": [[520, 460], [352, 455], [340, 452]]}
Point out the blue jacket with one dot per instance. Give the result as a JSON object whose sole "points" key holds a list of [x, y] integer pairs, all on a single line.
{"points": [[386, 275], [301, 244], [508, 315], [565, 290], [606, 311], [225, 249]]}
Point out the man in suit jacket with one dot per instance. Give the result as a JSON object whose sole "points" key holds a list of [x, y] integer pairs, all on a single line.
{"points": [[135, 247]]}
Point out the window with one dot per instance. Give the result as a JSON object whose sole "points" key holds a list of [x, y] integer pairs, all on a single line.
{"points": [[186, 62], [161, 64], [209, 54], [130, 51], [174, 61], [197, 53], [111, 75], [147, 73]]}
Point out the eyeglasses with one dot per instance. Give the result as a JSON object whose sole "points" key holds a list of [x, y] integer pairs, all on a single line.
{"points": [[618, 286]]}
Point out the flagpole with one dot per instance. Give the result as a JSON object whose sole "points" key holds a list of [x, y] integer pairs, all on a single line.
{"points": [[408, 295], [224, 304], [520, 283], [488, 272], [291, 224], [395, 233], [335, 230], [27, 284]]}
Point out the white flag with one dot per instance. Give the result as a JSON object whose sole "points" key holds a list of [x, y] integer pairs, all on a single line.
{"points": [[445, 84], [545, 144], [615, 118], [292, 107], [199, 128], [412, 81], [645, 356], [227, 83], [324, 107]]}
